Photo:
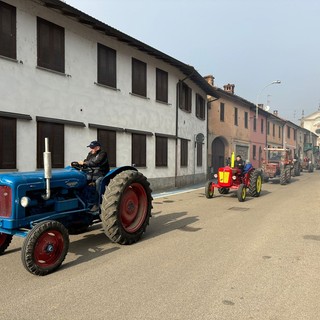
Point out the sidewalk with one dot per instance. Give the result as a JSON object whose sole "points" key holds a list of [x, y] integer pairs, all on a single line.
{"points": [[172, 192]]}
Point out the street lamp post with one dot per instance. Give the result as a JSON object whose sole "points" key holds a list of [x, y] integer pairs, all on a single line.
{"points": [[257, 101]]}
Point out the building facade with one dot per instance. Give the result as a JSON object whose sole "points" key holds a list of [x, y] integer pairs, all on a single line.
{"points": [[73, 79], [228, 126]]}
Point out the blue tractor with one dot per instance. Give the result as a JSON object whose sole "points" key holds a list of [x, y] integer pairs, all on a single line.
{"points": [[45, 206]]}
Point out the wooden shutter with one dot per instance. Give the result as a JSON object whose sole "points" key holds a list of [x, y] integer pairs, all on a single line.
{"points": [[139, 77], [139, 150], [161, 151], [108, 140], [55, 133], [7, 30], [8, 143], [161, 85], [50, 46], [107, 66]]}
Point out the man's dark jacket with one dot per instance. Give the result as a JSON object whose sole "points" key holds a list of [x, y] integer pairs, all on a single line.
{"points": [[99, 161]]}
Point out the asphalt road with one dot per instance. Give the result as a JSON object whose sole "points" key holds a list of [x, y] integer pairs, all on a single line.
{"points": [[199, 259]]}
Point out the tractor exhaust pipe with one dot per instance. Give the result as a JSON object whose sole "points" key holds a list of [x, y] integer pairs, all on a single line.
{"points": [[47, 169]]}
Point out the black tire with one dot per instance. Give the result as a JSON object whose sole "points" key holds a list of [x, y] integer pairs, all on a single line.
{"points": [[45, 247], [296, 169], [288, 174], [209, 190], [242, 193], [126, 207], [283, 179], [5, 240], [223, 190], [255, 183]]}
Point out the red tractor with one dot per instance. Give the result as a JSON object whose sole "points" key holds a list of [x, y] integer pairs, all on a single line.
{"points": [[229, 178]]}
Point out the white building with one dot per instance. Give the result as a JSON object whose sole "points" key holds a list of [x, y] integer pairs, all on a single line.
{"points": [[72, 78]]}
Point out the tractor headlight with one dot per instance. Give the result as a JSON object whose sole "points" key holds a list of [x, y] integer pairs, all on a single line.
{"points": [[215, 175], [25, 202], [234, 178]]}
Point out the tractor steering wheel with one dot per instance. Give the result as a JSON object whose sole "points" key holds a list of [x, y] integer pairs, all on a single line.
{"points": [[78, 166]]}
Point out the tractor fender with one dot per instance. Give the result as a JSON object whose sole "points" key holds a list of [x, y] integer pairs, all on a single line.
{"points": [[111, 174]]}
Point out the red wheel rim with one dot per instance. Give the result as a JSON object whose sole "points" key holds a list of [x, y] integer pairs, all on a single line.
{"points": [[48, 248], [133, 207], [3, 237]]}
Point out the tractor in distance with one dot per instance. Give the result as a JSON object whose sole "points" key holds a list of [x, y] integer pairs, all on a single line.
{"points": [[279, 164], [232, 178], [44, 206], [306, 164]]}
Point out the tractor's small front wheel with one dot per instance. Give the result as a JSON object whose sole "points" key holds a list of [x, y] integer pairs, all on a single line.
{"points": [[5, 240], [242, 193], [45, 247], [255, 183], [209, 190]]}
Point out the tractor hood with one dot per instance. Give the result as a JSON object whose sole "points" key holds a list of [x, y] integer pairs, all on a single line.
{"points": [[64, 178]]}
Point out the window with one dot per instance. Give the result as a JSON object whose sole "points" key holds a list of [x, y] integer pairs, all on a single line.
{"points": [[254, 152], [199, 154], [279, 132], [139, 77], [221, 111], [107, 66], [294, 135], [254, 124], [288, 130], [139, 149], [8, 31], [185, 97], [184, 153], [246, 120], [262, 125], [273, 130], [8, 143], [268, 128], [50, 45], [161, 152], [55, 133], [235, 116], [108, 140], [200, 107], [161, 85]]}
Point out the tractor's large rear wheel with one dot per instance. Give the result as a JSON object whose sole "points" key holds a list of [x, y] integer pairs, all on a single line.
{"points": [[255, 183], [45, 247], [288, 174], [283, 178], [126, 207], [5, 240]]}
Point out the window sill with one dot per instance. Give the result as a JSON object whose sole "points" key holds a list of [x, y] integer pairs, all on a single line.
{"points": [[11, 59], [139, 96], [8, 170], [165, 103], [54, 71], [105, 86]]}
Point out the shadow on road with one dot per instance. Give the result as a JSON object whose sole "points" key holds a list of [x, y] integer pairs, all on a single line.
{"points": [[165, 223]]}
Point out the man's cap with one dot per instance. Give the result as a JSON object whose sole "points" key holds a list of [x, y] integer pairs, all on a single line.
{"points": [[94, 144]]}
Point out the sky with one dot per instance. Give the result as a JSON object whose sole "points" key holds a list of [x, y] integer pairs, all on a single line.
{"points": [[248, 43]]}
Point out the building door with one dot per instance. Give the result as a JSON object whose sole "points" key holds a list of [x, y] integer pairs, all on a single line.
{"points": [[218, 154]]}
